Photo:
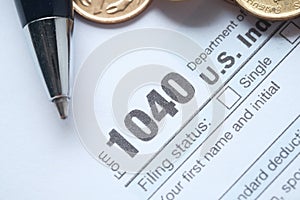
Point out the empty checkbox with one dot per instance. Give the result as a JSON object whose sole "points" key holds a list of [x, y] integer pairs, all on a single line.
{"points": [[229, 97], [291, 32]]}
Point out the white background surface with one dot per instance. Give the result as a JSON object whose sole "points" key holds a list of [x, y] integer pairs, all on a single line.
{"points": [[41, 156]]}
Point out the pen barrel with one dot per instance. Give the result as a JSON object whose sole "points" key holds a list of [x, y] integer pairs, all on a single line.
{"points": [[50, 43], [31, 10]]}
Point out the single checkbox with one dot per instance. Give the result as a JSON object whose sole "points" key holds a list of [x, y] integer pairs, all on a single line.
{"points": [[291, 32], [229, 97]]}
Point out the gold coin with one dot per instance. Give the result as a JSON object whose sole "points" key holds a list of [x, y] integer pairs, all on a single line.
{"points": [[110, 11], [272, 9]]}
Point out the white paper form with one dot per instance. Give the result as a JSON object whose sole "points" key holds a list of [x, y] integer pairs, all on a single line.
{"points": [[191, 100]]}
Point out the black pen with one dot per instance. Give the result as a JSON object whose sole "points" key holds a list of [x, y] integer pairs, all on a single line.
{"points": [[49, 24]]}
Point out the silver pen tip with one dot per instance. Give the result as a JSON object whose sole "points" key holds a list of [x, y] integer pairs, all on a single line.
{"points": [[62, 106]]}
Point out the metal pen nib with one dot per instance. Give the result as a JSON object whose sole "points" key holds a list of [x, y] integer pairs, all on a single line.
{"points": [[50, 39], [62, 106]]}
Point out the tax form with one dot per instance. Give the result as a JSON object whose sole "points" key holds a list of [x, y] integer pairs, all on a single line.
{"points": [[191, 100]]}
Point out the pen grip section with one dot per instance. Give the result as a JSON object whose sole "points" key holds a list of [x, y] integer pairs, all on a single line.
{"points": [[31, 10]]}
